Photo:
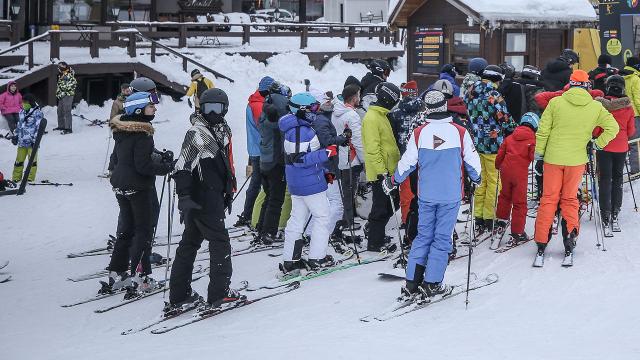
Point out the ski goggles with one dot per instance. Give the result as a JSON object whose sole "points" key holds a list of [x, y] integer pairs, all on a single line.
{"points": [[154, 96], [217, 108], [312, 108], [145, 101]]}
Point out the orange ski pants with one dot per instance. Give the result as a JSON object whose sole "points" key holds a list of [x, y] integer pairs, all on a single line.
{"points": [[406, 195]]}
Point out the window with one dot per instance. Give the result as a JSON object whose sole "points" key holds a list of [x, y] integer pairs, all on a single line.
{"points": [[65, 11], [516, 50], [131, 10], [465, 47]]}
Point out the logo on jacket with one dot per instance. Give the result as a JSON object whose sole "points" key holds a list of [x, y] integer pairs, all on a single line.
{"points": [[437, 142]]}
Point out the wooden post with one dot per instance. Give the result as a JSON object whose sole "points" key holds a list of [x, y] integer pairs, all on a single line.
{"points": [[246, 34], [15, 33], [131, 47], [55, 46], [182, 39], [304, 37], [184, 63], [153, 52], [381, 33], [396, 35], [94, 49], [30, 54], [352, 37], [114, 35], [387, 36], [52, 84]]}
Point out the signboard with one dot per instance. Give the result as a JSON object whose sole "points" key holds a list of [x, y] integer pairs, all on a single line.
{"points": [[619, 26], [428, 49]]}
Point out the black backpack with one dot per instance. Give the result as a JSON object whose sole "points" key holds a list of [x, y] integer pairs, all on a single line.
{"points": [[201, 87]]}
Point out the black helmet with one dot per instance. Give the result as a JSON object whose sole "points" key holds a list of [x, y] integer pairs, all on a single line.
{"points": [[569, 56], [530, 72], [143, 84], [214, 96], [614, 85], [508, 70], [195, 72], [493, 73], [379, 67], [275, 88], [388, 95]]}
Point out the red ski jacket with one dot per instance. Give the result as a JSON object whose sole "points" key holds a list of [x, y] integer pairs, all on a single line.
{"points": [[622, 110], [517, 152], [543, 98]]}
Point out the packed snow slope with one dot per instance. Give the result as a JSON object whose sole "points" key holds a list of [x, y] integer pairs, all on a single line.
{"points": [[585, 312]]}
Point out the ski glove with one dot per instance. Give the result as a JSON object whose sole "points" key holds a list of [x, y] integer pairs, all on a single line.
{"points": [[185, 205], [388, 184], [538, 169], [249, 171], [14, 140], [330, 177], [228, 202], [332, 150]]}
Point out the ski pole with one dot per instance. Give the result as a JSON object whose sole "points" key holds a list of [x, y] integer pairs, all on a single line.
{"points": [[353, 238], [594, 203], [106, 156], [241, 187], [472, 239], [495, 207], [155, 228], [635, 205], [403, 260], [171, 200]]}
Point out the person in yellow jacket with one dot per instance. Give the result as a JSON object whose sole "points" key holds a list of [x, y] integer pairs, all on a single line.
{"points": [[564, 132], [631, 74], [199, 84], [381, 155]]}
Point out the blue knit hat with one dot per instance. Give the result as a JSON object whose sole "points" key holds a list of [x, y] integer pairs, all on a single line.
{"points": [[265, 83], [477, 65], [531, 119]]}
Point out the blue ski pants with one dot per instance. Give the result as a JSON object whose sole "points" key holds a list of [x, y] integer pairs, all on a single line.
{"points": [[430, 249]]}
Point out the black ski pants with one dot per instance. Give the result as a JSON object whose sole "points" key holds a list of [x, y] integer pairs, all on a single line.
{"points": [[349, 189], [254, 187], [610, 177], [274, 185], [135, 232], [207, 223], [381, 212]]}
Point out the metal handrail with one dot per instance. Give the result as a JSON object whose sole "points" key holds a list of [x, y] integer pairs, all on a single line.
{"points": [[24, 43]]}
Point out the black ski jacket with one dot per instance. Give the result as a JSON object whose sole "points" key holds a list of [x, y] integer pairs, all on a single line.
{"points": [[556, 75]]}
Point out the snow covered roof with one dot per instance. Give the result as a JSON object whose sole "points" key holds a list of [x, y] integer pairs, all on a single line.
{"points": [[495, 12]]}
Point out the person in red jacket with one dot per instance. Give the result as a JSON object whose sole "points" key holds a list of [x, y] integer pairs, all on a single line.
{"points": [[514, 157], [611, 160]]}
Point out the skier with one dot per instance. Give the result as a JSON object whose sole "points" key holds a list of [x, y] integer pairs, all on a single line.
{"points": [[455, 105], [199, 84], [205, 183], [599, 75], [25, 136], [147, 85], [6, 183], [476, 67], [514, 157], [631, 74], [10, 105], [565, 130], [307, 178], [118, 104], [133, 179], [557, 72], [253, 113], [352, 80], [65, 91], [379, 72], [513, 92], [530, 79], [490, 121], [448, 73], [381, 158], [611, 159], [442, 147], [351, 157]]}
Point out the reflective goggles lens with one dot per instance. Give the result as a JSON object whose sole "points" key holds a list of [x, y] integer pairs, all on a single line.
{"points": [[154, 97], [217, 108]]}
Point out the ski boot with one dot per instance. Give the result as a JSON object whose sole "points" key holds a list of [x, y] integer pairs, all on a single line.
{"points": [[517, 239], [291, 267], [115, 282], [569, 245], [408, 292], [430, 290], [497, 234], [615, 225], [454, 248], [232, 296], [191, 302], [317, 264], [262, 240], [606, 224], [242, 222], [139, 285], [539, 260], [479, 227]]}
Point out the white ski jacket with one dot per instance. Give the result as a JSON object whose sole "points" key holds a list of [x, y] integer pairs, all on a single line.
{"points": [[346, 117]]}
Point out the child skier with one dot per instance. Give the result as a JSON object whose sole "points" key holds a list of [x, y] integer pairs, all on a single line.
{"points": [[25, 136], [439, 149], [10, 106], [305, 172], [514, 157]]}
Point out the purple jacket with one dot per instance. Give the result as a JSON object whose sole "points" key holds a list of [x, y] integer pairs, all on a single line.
{"points": [[304, 168], [10, 103]]}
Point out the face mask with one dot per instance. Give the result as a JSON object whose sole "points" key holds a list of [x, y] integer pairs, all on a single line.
{"points": [[26, 106], [147, 118], [213, 118]]}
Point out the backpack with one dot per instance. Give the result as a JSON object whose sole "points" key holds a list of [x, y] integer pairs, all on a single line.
{"points": [[201, 86]]}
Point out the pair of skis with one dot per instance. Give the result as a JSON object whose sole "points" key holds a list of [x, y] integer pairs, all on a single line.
{"points": [[4, 277], [106, 250], [567, 261]]}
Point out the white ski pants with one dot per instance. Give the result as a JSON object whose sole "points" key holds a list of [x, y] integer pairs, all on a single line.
{"points": [[301, 206], [336, 209]]}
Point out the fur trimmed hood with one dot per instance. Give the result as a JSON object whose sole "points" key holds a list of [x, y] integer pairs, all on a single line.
{"points": [[118, 125], [613, 104]]}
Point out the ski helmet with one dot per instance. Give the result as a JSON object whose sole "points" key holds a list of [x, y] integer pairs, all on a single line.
{"points": [[379, 67], [449, 69], [302, 103], [143, 84], [387, 95], [195, 72], [214, 104], [493, 73], [532, 119], [569, 56], [477, 65], [614, 85], [508, 70], [136, 102], [444, 87], [530, 72]]}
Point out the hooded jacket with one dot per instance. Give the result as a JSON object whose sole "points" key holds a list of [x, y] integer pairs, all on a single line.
{"points": [[27, 127], [556, 74], [345, 117], [66, 84], [369, 83], [452, 81], [118, 106], [531, 89], [468, 82], [489, 117], [328, 135], [566, 127], [632, 87], [517, 152], [402, 118], [513, 92], [305, 156], [10, 103], [380, 147], [132, 165], [622, 111], [253, 113], [271, 152]]}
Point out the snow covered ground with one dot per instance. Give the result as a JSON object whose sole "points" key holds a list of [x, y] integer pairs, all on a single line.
{"points": [[585, 312]]}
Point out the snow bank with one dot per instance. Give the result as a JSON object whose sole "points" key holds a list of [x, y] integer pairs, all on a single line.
{"points": [[533, 10]]}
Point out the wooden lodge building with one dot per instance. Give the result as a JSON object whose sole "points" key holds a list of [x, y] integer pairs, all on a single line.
{"points": [[514, 31]]}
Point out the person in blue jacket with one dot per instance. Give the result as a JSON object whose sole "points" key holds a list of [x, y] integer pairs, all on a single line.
{"points": [[305, 171], [438, 149], [449, 73]]}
